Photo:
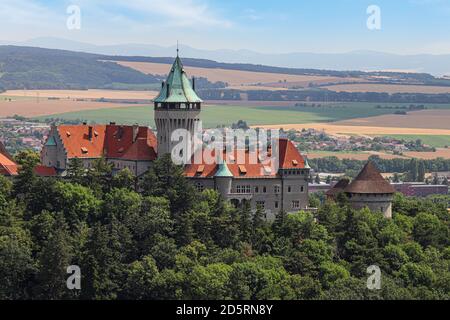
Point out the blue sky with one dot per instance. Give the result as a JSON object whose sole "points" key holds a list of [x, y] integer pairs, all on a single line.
{"points": [[407, 26]]}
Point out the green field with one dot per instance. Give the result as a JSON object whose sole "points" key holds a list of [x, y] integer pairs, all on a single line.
{"points": [[216, 115], [437, 141]]}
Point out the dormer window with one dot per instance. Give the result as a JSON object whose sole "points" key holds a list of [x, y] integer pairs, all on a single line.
{"points": [[200, 169], [84, 150]]}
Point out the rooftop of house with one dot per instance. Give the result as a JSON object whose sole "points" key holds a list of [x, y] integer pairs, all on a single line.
{"points": [[111, 141], [8, 167], [44, 171], [248, 167]]}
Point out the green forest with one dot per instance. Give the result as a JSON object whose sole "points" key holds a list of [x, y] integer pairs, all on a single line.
{"points": [[171, 242], [39, 68]]}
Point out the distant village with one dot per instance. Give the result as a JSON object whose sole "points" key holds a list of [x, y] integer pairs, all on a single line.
{"points": [[316, 140]]}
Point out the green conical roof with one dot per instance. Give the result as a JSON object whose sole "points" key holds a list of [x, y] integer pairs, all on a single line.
{"points": [[223, 170], [180, 88]]}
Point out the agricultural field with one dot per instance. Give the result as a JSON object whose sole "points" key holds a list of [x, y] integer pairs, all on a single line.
{"points": [[236, 77], [336, 118], [363, 155], [424, 119], [216, 115], [389, 88], [440, 153], [34, 107], [438, 141], [79, 94]]}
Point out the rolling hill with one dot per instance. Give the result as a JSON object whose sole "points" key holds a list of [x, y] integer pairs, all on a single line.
{"points": [[38, 68]]}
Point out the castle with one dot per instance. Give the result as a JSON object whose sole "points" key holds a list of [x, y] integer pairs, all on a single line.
{"points": [[237, 178], [239, 174]]}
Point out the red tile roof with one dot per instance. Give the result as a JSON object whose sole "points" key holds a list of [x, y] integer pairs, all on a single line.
{"points": [[121, 143], [44, 171], [7, 166], [290, 158], [111, 141], [76, 139]]}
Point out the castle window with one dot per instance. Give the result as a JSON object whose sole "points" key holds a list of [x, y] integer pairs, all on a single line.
{"points": [[261, 204], [295, 204], [276, 189], [276, 204], [243, 189], [264, 189], [200, 187], [289, 188], [302, 189], [256, 189]]}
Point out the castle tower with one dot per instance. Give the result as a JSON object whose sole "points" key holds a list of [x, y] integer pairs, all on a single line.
{"points": [[223, 179], [370, 189], [176, 107]]}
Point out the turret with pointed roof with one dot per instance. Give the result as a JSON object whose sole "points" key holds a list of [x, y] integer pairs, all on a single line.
{"points": [[176, 107], [177, 89], [369, 189], [369, 181]]}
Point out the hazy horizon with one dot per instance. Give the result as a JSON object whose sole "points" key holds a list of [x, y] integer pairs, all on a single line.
{"points": [[405, 26]]}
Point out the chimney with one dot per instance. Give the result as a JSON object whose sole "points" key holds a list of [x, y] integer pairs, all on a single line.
{"points": [[90, 135], [193, 83], [135, 132]]}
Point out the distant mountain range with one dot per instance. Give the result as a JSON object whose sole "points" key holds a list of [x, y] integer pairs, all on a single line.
{"points": [[437, 65]]}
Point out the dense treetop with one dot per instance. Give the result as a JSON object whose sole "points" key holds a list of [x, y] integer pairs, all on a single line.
{"points": [[171, 242]]}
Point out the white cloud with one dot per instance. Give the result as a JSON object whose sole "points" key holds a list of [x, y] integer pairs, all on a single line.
{"points": [[189, 13]]}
